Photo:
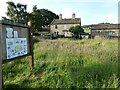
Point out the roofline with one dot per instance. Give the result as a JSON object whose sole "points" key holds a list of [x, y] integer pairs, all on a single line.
{"points": [[52, 21], [66, 23], [104, 28], [97, 26]]}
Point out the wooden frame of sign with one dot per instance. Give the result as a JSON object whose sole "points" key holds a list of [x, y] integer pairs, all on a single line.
{"points": [[15, 42]]}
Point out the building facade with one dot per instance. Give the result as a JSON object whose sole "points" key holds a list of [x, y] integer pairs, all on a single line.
{"points": [[61, 26], [105, 30]]}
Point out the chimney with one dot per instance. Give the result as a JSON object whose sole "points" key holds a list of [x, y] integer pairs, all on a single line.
{"points": [[73, 16], [60, 17]]}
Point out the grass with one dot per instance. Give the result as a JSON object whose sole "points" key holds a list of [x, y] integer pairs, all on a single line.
{"points": [[89, 63]]}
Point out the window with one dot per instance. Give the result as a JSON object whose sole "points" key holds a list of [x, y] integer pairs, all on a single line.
{"points": [[111, 33], [56, 27], [65, 26]]}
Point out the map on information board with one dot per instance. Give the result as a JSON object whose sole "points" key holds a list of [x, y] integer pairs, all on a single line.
{"points": [[16, 47]]}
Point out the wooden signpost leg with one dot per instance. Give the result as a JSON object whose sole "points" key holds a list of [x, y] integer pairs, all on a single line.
{"points": [[0, 73], [31, 63], [1, 81]]}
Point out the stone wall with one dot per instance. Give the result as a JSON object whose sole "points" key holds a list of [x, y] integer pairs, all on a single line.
{"points": [[61, 28]]}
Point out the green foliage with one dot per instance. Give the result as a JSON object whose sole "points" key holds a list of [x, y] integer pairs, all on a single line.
{"points": [[41, 18], [90, 63], [76, 30], [60, 36], [11, 10], [36, 20], [48, 16], [35, 40], [17, 12]]}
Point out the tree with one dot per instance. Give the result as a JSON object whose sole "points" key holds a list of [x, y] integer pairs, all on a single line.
{"points": [[76, 30], [11, 11], [17, 12], [48, 16], [36, 20], [22, 14], [41, 18]]}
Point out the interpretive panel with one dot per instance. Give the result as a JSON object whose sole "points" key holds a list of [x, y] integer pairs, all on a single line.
{"points": [[16, 47]]}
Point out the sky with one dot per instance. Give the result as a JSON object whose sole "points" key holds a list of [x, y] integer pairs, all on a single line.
{"points": [[90, 11]]}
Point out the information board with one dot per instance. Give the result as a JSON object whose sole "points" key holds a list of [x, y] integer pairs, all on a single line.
{"points": [[16, 47], [16, 41]]}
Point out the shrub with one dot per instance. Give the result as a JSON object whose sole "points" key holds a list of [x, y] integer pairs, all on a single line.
{"points": [[35, 40]]}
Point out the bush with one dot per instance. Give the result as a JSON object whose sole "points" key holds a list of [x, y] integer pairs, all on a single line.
{"points": [[76, 30], [35, 40], [60, 36]]}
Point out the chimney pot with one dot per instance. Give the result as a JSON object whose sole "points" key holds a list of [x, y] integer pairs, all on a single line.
{"points": [[60, 16], [73, 16]]}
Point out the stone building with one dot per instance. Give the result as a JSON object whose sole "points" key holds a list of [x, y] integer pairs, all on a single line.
{"points": [[61, 26], [105, 30]]}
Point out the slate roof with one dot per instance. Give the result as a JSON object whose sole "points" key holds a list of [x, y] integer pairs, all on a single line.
{"points": [[66, 21], [105, 26]]}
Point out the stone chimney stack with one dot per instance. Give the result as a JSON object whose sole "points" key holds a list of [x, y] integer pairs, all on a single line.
{"points": [[60, 17], [73, 16]]}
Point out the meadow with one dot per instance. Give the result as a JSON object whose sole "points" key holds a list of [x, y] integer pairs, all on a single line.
{"points": [[88, 63]]}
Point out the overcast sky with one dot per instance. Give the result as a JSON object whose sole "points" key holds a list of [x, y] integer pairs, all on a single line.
{"points": [[90, 11]]}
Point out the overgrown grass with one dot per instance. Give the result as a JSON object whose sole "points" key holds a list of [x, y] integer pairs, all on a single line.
{"points": [[90, 63]]}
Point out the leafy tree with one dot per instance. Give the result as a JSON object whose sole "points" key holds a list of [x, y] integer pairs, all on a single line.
{"points": [[76, 30], [11, 11], [41, 18], [48, 16], [17, 12], [36, 20], [22, 14]]}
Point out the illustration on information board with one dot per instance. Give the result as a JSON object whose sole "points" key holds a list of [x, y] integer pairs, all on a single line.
{"points": [[9, 32], [16, 47]]}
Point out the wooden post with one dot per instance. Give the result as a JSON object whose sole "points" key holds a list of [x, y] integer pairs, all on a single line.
{"points": [[31, 61], [1, 80], [119, 39]]}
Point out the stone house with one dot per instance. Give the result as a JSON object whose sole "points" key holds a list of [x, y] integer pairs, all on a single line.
{"points": [[61, 26], [105, 30]]}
